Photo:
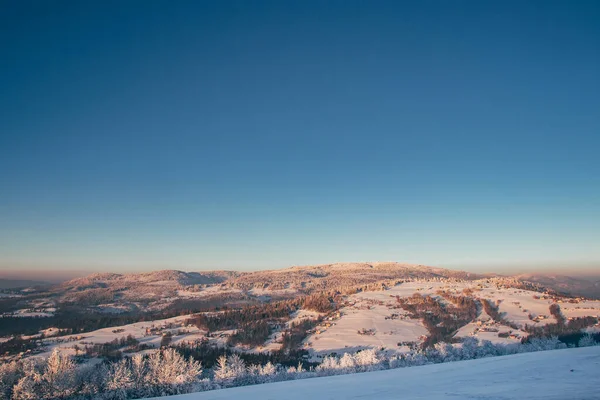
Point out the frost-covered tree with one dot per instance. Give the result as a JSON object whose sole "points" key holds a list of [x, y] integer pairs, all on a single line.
{"points": [[139, 370], [469, 348], [446, 352], [27, 388], [365, 360], [29, 384], [10, 373], [261, 373], [52, 378], [268, 371], [229, 370], [542, 344], [58, 379], [329, 365], [237, 367], [586, 341], [368, 360], [347, 363], [221, 370], [119, 380], [488, 349], [169, 373], [90, 381]]}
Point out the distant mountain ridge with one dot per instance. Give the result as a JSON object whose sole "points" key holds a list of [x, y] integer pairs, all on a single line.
{"points": [[317, 277], [175, 276], [19, 283], [157, 289], [329, 276]]}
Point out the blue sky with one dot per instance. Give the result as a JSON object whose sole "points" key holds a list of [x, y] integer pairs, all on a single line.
{"points": [[197, 135]]}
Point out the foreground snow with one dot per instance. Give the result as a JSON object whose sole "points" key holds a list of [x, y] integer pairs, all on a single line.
{"points": [[557, 374]]}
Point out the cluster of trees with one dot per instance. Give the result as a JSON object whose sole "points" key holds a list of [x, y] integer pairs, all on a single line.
{"points": [[562, 327], [91, 297], [218, 302], [25, 325], [556, 312], [234, 319], [463, 302], [346, 279], [166, 339], [208, 354], [292, 338], [580, 339], [441, 320], [8, 304], [515, 283], [162, 373], [254, 323], [73, 318], [493, 310], [17, 345], [318, 302], [167, 372], [251, 334], [112, 350]]}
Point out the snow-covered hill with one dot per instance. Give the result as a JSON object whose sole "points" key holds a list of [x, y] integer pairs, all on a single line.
{"points": [[559, 375], [111, 293]]}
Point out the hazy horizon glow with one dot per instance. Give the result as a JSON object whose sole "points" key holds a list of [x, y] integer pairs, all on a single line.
{"points": [[243, 135], [59, 273]]}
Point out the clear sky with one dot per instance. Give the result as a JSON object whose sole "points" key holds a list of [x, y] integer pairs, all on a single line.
{"points": [[137, 135]]}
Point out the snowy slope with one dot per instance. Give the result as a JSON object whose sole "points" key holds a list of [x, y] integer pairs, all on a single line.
{"points": [[371, 310], [559, 374]]}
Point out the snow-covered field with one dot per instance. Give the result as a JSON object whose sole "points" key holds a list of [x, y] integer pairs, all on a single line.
{"points": [[29, 313], [9, 295], [550, 375], [371, 311], [368, 310], [147, 332], [209, 291], [341, 335]]}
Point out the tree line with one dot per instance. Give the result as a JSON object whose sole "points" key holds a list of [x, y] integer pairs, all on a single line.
{"points": [[442, 321], [563, 327], [255, 323]]}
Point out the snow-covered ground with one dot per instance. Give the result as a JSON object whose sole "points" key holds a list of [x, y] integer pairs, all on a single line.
{"points": [[368, 311], [28, 313], [370, 319], [549, 375], [371, 311], [7, 295], [342, 335], [139, 330], [209, 291], [274, 341]]}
